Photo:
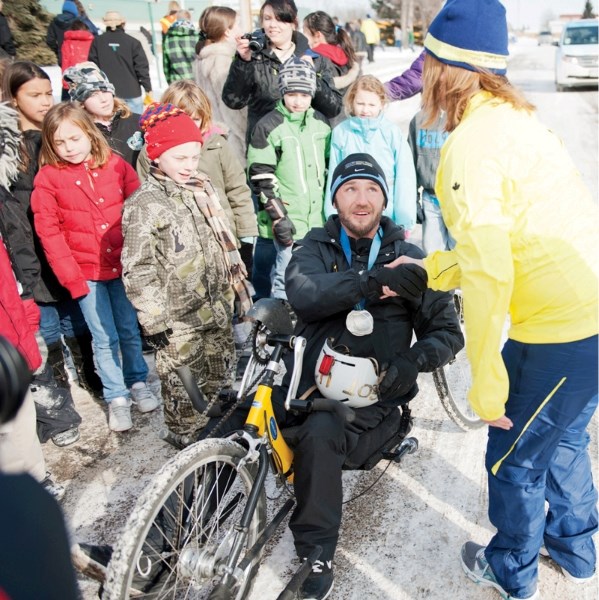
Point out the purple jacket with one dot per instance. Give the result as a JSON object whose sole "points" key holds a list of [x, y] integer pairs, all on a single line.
{"points": [[409, 83]]}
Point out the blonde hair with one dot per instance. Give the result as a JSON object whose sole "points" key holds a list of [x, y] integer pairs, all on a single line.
{"points": [[367, 83], [189, 97], [450, 88], [76, 114]]}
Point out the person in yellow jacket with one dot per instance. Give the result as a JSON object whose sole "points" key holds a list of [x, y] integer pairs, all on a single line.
{"points": [[372, 34], [525, 228], [170, 17]]}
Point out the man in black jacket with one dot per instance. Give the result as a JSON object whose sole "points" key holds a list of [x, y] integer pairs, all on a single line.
{"points": [[336, 274], [124, 61], [59, 25]]}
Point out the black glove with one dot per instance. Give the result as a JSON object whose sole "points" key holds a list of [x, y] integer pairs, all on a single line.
{"points": [[400, 377], [282, 226], [408, 280], [159, 340], [284, 231]]}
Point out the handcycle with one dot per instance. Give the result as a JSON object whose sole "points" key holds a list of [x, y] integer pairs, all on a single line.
{"points": [[199, 530]]}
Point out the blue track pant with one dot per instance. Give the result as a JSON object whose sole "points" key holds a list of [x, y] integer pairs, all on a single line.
{"points": [[544, 457]]}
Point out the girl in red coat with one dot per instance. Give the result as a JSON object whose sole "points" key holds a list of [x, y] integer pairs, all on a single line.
{"points": [[77, 204]]}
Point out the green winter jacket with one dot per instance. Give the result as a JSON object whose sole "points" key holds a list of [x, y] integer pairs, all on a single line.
{"points": [[287, 159]]}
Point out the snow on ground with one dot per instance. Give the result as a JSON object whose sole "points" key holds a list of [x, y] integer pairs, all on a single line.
{"points": [[401, 539]]}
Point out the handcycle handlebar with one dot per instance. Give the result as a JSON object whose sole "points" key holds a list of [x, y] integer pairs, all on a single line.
{"points": [[324, 404]]}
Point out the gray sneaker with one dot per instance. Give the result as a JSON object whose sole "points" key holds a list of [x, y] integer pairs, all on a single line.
{"points": [[143, 398], [119, 414], [477, 569]]}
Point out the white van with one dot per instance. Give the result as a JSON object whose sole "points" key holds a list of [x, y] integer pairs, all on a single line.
{"points": [[577, 55]]}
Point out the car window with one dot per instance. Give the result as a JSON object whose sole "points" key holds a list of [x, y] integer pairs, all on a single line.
{"points": [[581, 35]]}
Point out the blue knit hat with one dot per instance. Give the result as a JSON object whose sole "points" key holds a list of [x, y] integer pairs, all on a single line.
{"points": [[471, 34], [70, 7]]}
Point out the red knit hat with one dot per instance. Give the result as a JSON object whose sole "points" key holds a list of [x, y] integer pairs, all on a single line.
{"points": [[166, 126]]}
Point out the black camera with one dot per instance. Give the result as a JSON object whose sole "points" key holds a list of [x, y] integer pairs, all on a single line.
{"points": [[14, 380], [258, 40]]}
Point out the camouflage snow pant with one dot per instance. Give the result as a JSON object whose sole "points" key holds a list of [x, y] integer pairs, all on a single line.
{"points": [[211, 357]]}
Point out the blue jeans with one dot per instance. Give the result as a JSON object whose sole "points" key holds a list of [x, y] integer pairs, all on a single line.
{"points": [[544, 457], [264, 260], [112, 321], [135, 104], [277, 275], [434, 232], [61, 318]]}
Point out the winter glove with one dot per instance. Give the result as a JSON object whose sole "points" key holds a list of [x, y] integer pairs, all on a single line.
{"points": [[400, 377], [407, 280], [284, 230], [282, 226], [160, 340]]}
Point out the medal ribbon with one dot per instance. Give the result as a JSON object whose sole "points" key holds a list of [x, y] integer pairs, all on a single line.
{"points": [[374, 252]]}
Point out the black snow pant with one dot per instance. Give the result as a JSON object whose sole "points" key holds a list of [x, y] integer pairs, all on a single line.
{"points": [[322, 443]]}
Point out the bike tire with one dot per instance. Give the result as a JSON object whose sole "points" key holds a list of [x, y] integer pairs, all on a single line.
{"points": [[192, 505], [452, 383]]}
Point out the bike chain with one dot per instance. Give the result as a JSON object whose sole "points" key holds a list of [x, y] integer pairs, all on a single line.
{"points": [[240, 401]]}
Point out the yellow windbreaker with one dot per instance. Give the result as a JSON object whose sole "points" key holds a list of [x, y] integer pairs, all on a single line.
{"points": [[526, 240]]}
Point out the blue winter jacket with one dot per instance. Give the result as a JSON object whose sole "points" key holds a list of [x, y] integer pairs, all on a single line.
{"points": [[383, 140]]}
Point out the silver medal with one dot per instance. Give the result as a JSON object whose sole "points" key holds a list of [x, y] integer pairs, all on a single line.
{"points": [[359, 322]]}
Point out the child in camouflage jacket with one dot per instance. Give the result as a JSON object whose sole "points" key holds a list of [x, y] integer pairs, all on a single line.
{"points": [[176, 271]]}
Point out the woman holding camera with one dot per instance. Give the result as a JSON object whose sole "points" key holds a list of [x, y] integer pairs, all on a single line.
{"points": [[253, 82], [254, 73]]}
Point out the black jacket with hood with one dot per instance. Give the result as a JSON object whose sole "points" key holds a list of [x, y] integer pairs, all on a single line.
{"points": [[124, 61], [56, 31], [255, 84], [322, 289], [45, 286], [118, 134]]}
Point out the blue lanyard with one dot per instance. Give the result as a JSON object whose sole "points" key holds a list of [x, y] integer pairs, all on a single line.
{"points": [[374, 252]]}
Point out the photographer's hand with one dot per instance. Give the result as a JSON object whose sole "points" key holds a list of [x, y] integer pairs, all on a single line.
{"points": [[243, 48]]}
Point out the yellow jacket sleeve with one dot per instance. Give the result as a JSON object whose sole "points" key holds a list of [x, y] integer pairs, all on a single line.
{"points": [[471, 189], [443, 271]]}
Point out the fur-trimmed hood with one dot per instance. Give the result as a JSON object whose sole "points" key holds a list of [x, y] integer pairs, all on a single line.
{"points": [[10, 138]]}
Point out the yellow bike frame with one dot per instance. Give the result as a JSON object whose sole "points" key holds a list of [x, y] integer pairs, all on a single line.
{"points": [[262, 417]]}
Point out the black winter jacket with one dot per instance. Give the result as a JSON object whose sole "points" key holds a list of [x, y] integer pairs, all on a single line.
{"points": [[56, 29], [323, 289], [124, 61], [46, 288], [15, 231], [118, 134], [255, 84]]}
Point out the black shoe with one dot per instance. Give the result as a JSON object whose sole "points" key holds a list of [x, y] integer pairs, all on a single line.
{"points": [[66, 438], [319, 584]]}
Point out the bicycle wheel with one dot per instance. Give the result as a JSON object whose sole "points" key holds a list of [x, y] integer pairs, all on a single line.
{"points": [[182, 527], [454, 380]]}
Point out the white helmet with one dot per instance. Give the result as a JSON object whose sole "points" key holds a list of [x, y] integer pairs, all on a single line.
{"points": [[349, 379]]}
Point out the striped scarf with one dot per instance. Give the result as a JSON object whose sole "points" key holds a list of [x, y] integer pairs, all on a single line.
{"points": [[206, 199]]}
